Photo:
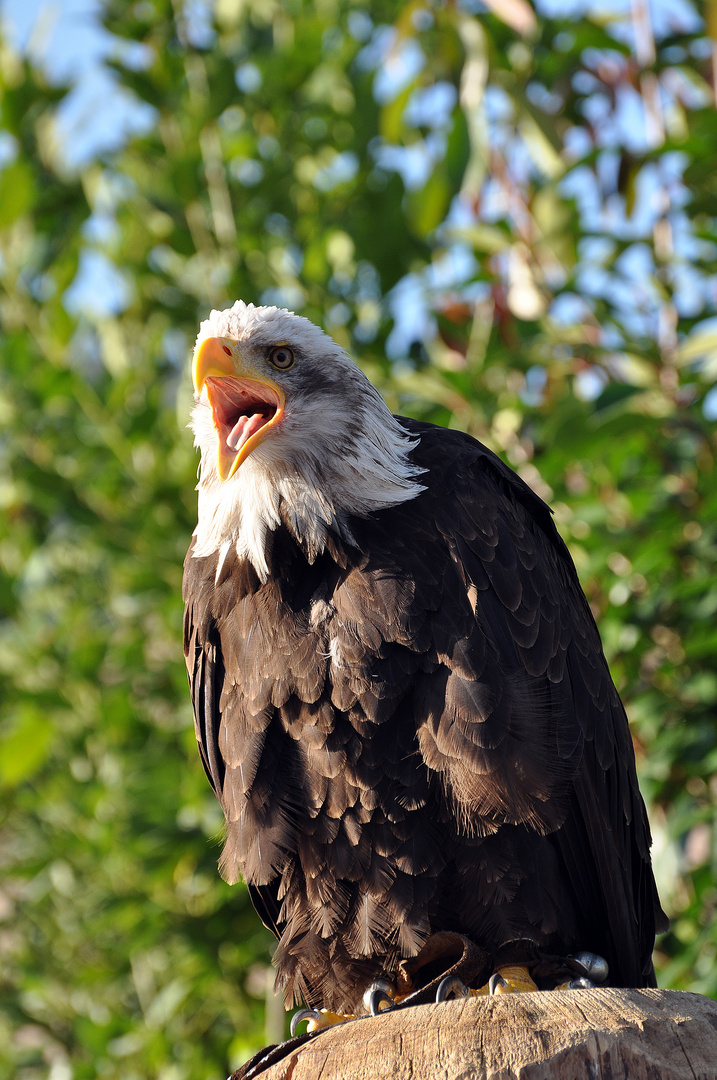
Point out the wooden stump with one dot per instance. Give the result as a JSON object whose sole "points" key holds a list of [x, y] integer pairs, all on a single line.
{"points": [[564, 1035]]}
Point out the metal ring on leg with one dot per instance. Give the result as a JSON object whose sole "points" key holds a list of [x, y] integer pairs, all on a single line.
{"points": [[590, 965]]}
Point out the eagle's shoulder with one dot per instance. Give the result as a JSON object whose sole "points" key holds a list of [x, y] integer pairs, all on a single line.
{"points": [[457, 463]]}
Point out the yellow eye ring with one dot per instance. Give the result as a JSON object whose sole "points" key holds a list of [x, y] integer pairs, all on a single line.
{"points": [[281, 357]]}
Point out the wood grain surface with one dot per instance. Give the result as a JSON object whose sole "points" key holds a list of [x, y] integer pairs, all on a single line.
{"points": [[600, 1034]]}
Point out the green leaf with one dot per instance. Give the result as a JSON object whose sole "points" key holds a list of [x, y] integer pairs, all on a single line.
{"points": [[24, 746], [17, 192], [427, 208]]}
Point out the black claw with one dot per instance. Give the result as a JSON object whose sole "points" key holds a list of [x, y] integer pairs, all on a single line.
{"points": [[380, 991], [581, 983], [451, 987], [495, 981], [300, 1016], [374, 999], [591, 965]]}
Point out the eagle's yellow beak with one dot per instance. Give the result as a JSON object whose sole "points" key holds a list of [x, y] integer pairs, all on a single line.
{"points": [[246, 408], [213, 357]]}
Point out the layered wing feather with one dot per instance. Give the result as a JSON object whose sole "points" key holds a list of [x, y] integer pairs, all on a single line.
{"points": [[529, 603]]}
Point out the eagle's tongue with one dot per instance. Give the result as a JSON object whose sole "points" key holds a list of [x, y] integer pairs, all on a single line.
{"points": [[244, 429]]}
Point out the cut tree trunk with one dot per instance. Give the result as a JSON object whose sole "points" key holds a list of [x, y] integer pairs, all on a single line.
{"points": [[563, 1035]]}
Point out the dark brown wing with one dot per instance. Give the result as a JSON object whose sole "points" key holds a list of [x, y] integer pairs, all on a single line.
{"points": [[529, 605]]}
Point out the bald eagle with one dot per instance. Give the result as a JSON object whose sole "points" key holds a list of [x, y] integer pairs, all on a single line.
{"points": [[400, 695]]}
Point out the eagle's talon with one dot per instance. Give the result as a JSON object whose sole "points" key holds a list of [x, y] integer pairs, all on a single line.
{"points": [[300, 1016], [318, 1019], [496, 984], [378, 993], [590, 965], [451, 987]]}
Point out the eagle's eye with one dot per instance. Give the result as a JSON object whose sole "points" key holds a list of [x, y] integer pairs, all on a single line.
{"points": [[281, 357]]}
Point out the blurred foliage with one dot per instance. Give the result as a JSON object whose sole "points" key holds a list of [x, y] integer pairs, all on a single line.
{"points": [[509, 218]]}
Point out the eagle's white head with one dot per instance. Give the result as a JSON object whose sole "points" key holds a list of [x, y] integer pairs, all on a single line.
{"points": [[290, 431]]}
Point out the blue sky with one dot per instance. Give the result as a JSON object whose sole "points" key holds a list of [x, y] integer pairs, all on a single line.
{"points": [[70, 43]]}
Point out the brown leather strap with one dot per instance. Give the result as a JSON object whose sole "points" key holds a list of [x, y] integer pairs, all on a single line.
{"points": [[442, 954]]}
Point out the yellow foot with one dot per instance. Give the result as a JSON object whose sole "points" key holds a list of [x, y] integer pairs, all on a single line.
{"points": [[511, 979], [318, 1019]]}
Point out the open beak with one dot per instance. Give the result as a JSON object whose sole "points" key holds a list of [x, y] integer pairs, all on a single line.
{"points": [[245, 409]]}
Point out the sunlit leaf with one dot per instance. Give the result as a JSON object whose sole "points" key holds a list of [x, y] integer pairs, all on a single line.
{"points": [[17, 192], [24, 746]]}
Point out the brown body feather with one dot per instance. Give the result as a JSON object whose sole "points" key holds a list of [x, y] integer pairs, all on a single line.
{"points": [[419, 732]]}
